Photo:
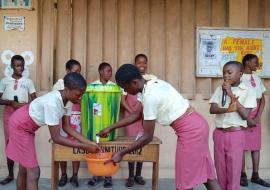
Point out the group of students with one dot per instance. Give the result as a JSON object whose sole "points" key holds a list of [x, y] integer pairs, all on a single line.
{"points": [[146, 100], [238, 104], [128, 103], [58, 110]]}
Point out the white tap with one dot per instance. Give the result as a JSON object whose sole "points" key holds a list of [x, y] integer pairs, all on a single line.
{"points": [[97, 138]]}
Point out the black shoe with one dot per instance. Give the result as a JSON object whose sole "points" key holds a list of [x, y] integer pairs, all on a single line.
{"points": [[130, 182], [74, 181], [63, 180], [259, 181], [139, 180], [95, 180], [108, 182], [243, 179], [7, 180]]}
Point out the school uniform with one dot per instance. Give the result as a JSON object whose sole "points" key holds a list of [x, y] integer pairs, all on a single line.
{"points": [[134, 129], [99, 82], [149, 76], [253, 137], [44, 110], [193, 163], [59, 85], [229, 137], [73, 111], [11, 87]]}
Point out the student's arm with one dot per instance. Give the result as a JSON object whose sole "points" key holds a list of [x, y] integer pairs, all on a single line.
{"points": [[31, 89], [67, 128], [149, 128], [2, 89], [214, 101], [251, 122], [12, 103], [125, 104], [5, 102], [33, 96], [57, 138], [123, 122], [235, 105], [215, 109], [261, 108], [242, 111]]}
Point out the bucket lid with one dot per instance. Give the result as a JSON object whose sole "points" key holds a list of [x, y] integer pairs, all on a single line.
{"points": [[103, 88]]}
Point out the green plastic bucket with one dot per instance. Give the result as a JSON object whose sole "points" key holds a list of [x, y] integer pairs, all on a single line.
{"points": [[100, 108]]}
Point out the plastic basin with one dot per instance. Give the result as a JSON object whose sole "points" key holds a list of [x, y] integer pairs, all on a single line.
{"points": [[96, 166]]}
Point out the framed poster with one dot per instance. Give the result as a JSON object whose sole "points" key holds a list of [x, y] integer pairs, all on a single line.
{"points": [[217, 46], [16, 4], [14, 23]]}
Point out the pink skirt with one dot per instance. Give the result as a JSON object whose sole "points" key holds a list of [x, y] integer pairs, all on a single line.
{"points": [[253, 137], [194, 164], [8, 111], [21, 144], [133, 129]]}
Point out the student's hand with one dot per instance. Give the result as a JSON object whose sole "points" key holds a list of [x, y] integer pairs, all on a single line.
{"points": [[93, 148], [227, 86], [17, 105], [131, 111], [14, 105], [234, 104], [251, 122], [104, 133], [249, 129], [88, 142], [232, 107], [257, 119], [116, 158]]}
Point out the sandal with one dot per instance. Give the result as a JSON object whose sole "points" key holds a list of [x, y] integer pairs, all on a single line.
{"points": [[7, 180], [243, 179], [130, 182], [94, 181], [74, 181], [259, 181], [63, 180], [108, 182], [139, 180]]}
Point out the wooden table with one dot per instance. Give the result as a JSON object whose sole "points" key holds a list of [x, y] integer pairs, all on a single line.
{"points": [[149, 153]]}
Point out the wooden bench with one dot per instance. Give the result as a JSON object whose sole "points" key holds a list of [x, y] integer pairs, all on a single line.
{"points": [[149, 153]]}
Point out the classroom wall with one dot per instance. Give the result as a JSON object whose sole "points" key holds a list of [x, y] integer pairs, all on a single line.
{"points": [[115, 31]]}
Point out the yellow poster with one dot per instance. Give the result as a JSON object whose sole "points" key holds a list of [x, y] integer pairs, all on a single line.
{"points": [[239, 47], [217, 46]]}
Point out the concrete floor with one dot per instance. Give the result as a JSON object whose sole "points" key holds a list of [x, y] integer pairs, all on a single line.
{"points": [[165, 184]]}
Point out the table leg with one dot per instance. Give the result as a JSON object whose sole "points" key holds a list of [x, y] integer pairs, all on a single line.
{"points": [[55, 175], [155, 176]]}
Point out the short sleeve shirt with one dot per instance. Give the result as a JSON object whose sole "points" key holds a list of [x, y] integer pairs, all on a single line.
{"points": [[21, 88], [259, 87], [162, 102], [99, 82], [246, 97], [47, 109], [59, 85]]}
